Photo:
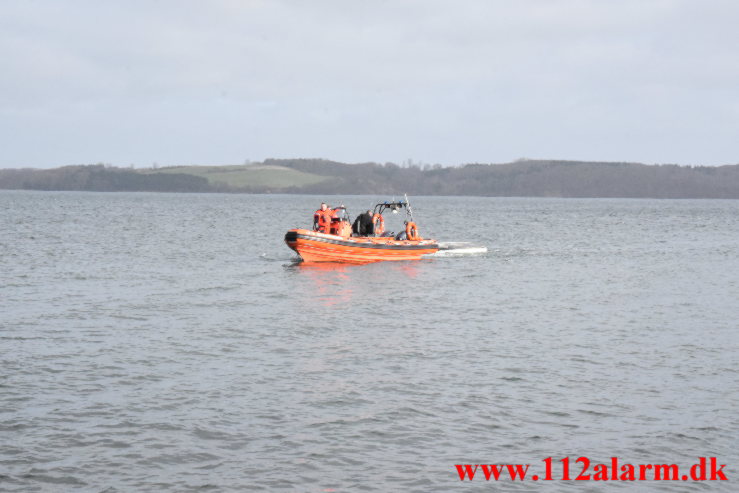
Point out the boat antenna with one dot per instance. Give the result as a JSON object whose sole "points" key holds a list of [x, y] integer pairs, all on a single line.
{"points": [[408, 206]]}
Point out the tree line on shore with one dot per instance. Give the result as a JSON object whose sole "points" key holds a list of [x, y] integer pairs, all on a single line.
{"points": [[532, 178], [100, 178]]}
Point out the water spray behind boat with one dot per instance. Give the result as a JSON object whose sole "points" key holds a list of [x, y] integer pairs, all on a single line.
{"points": [[459, 249]]}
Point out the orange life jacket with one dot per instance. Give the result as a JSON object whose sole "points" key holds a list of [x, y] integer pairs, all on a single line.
{"points": [[322, 220]]}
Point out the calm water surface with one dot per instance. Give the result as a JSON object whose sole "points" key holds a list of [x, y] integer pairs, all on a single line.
{"points": [[167, 342]]}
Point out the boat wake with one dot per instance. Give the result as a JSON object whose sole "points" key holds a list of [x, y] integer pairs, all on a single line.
{"points": [[458, 249]]}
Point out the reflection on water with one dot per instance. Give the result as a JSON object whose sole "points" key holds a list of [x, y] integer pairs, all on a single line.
{"points": [[321, 266], [329, 283], [334, 283]]}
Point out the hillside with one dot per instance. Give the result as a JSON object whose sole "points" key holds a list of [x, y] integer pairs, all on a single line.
{"points": [[247, 176]]}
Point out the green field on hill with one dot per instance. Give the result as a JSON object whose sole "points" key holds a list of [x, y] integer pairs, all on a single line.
{"points": [[244, 176]]}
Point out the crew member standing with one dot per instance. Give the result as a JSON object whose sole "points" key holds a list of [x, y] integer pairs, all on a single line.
{"points": [[322, 219]]}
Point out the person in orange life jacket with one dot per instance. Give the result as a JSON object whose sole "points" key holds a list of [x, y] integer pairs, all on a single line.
{"points": [[322, 219]]}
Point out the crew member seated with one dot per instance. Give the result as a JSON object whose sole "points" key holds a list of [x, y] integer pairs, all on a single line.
{"points": [[363, 225], [322, 219]]}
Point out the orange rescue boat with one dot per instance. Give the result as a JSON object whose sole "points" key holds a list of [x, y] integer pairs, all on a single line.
{"points": [[333, 239]]}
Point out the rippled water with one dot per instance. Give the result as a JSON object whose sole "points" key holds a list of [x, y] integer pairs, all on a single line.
{"points": [[167, 342]]}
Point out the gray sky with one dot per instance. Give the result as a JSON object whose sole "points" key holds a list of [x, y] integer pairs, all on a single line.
{"points": [[219, 82]]}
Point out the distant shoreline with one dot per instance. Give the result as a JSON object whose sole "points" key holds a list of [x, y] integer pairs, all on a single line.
{"points": [[529, 178]]}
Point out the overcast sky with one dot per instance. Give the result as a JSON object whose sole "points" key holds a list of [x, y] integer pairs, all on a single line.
{"points": [[220, 82]]}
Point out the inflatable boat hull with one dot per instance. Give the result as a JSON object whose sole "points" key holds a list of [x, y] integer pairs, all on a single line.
{"points": [[319, 247]]}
